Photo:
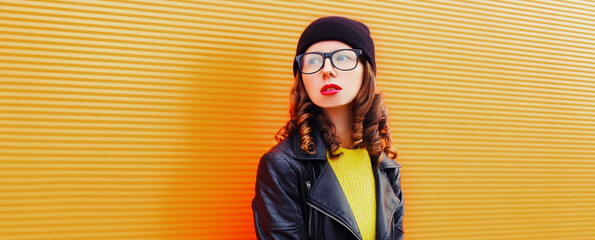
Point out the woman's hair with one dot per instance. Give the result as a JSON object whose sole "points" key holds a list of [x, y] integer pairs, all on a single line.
{"points": [[370, 120]]}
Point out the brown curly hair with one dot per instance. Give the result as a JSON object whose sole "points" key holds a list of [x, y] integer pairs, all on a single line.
{"points": [[370, 120]]}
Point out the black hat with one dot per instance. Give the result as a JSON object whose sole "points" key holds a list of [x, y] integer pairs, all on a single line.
{"points": [[351, 32]]}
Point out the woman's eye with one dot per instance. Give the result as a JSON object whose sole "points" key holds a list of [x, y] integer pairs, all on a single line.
{"points": [[342, 58], [313, 61]]}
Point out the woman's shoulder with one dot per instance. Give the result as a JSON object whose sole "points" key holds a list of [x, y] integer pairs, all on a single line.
{"points": [[283, 148], [280, 155]]}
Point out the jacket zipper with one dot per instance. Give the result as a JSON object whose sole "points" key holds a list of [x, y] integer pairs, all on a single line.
{"points": [[309, 215], [310, 221], [328, 215], [310, 224]]}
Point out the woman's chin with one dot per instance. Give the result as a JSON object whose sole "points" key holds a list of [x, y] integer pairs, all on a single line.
{"points": [[327, 105]]}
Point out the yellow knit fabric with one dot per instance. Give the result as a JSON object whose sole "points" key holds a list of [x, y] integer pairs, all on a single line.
{"points": [[355, 174]]}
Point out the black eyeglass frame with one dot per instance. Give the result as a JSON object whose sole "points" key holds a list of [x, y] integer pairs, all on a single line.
{"points": [[329, 55]]}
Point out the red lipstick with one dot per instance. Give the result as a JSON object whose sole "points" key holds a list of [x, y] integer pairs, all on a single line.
{"points": [[330, 89]]}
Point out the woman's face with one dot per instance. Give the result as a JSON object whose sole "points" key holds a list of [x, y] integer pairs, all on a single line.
{"points": [[347, 83]]}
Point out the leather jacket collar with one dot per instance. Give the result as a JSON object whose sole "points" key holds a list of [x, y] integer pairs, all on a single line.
{"points": [[327, 195], [299, 153]]}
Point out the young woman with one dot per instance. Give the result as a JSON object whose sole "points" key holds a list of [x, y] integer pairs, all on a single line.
{"points": [[332, 174]]}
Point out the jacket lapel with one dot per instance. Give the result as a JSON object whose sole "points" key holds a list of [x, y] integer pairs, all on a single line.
{"points": [[328, 196], [299, 153], [326, 193], [386, 199]]}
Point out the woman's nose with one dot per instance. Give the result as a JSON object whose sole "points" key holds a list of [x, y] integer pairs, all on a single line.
{"points": [[328, 70]]}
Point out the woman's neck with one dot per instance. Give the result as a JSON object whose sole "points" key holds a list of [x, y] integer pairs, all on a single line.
{"points": [[342, 118]]}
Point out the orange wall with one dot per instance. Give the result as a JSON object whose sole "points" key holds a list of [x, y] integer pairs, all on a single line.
{"points": [[146, 119]]}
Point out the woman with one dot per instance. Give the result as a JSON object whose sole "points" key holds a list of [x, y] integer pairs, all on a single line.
{"points": [[332, 174]]}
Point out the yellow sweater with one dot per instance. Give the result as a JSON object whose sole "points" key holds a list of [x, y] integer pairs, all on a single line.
{"points": [[355, 174]]}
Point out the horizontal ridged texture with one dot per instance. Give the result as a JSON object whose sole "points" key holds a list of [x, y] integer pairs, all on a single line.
{"points": [[146, 119]]}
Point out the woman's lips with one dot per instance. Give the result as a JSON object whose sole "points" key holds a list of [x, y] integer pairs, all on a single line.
{"points": [[330, 89]]}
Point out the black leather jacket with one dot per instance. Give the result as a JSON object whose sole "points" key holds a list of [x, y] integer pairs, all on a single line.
{"points": [[280, 213]]}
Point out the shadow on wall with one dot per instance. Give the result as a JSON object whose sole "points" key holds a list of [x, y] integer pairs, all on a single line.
{"points": [[235, 107]]}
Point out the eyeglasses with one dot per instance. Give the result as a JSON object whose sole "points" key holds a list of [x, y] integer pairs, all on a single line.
{"points": [[342, 59]]}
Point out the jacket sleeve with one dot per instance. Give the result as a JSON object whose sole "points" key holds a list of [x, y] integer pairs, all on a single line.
{"points": [[398, 217], [276, 204]]}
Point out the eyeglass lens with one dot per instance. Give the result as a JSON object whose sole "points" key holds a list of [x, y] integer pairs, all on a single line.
{"points": [[342, 60]]}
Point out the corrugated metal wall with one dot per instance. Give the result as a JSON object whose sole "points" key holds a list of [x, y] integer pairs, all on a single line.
{"points": [[146, 119]]}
